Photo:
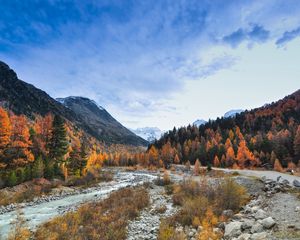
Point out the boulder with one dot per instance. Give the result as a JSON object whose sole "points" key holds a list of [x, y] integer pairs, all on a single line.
{"points": [[247, 224], [232, 230], [260, 214], [244, 236], [296, 183], [257, 228], [259, 236], [268, 222]]}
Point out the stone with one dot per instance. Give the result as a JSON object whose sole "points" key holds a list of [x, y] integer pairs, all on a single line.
{"points": [[232, 229], [260, 214], [244, 236], [297, 209], [268, 222], [259, 236], [247, 224], [296, 183], [228, 213], [257, 228]]}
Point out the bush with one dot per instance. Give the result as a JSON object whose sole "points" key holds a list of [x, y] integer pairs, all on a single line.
{"points": [[105, 220], [197, 198], [163, 181]]}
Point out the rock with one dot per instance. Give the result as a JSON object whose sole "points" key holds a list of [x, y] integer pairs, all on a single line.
{"points": [[232, 230], [257, 228], [259, 236], [260, 214], [255, 209], [244, 236], [247, 224], [227, 213], [297, 209], [296, 183], [268, 222]]}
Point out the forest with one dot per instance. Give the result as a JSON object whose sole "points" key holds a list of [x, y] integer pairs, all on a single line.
{"points": [[267, 137]]}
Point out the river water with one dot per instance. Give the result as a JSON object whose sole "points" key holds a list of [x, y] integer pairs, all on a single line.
{"points": [[42, 212]]}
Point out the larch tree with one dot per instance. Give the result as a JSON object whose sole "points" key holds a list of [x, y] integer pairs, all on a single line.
{"points": [[297, 144], [5, 134], [277, 165], [216, 162], [19, 149], [197, 167]]}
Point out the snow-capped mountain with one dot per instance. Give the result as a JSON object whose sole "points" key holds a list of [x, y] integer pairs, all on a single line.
{"points": [[148, 133], [232, 113], [199, 122]]}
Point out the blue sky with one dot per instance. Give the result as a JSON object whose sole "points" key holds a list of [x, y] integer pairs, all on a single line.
{"points": [[156, 63]]}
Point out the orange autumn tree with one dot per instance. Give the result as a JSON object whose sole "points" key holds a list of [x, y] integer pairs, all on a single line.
{"points": [[245, 157], [42, 132], [19, 150], [5, 133], [216, 162], [278, 166], [297, 144]]}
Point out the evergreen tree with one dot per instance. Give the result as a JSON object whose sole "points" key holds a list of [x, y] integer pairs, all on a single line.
{"points": [[38, 168], [12, 179], [58, 143]]}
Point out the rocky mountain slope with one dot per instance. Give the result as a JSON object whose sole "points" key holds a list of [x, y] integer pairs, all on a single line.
{"points": [[103, 124], [23, 98]]}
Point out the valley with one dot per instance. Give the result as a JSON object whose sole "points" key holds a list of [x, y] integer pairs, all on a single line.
{"points": [[147, 225]]}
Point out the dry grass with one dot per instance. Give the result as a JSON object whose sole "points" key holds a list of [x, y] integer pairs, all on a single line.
{"points": [[105, 220], [197, 199]]}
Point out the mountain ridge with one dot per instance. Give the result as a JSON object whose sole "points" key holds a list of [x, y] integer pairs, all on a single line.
{"points": [[24, 98]]}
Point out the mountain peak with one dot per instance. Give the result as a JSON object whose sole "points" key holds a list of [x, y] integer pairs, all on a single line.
{"points": [[233, 113], [199, 122]]}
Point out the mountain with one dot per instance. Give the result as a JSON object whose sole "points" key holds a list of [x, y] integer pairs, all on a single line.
{"points": [[148, 133], [23, 98], [104, 125], [233, 113], [199, 122], [260, 137]]}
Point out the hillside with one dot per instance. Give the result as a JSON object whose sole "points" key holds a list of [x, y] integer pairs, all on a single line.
{"points": [[268, 136], [103, 124], [23, 98]]}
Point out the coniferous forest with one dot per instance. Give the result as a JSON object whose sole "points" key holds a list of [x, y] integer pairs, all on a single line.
{"points": [[266, 137]]}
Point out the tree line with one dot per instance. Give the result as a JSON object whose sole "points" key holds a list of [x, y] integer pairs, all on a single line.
{"points": [[44, 147], [264, 137]]}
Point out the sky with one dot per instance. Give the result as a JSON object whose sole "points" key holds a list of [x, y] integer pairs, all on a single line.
{"points": [[156, 63]]}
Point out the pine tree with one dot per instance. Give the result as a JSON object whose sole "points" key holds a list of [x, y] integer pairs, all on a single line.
{"points": [[58, 143], [38, 168], [12, 179]]}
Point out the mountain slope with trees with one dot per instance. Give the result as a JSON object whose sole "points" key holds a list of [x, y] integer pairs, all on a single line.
{"points": [[264, 137], [23, 98]]}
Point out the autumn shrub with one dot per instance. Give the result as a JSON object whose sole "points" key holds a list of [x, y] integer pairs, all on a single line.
{"points": [[163, 181], [167, 232], [197, 198], [105, 220], [230, 195]]}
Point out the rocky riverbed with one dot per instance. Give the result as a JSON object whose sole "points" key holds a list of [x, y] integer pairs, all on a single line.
{"points": [[44, 208]]}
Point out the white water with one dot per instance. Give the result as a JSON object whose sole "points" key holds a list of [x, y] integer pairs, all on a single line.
{"points": [[42, 212]]}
